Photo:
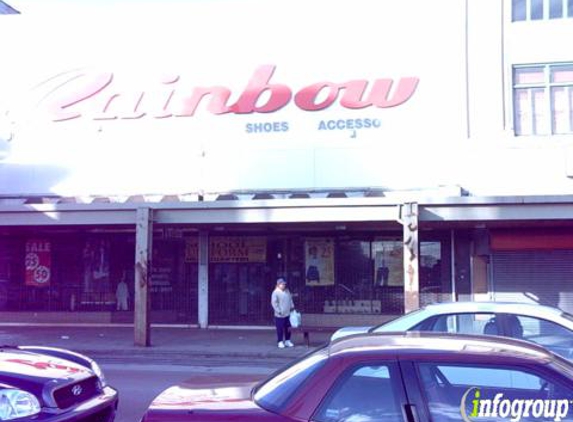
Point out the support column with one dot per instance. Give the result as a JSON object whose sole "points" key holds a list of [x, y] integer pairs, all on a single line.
{"points": [[203, 287], [143, 249], [409, 220]]}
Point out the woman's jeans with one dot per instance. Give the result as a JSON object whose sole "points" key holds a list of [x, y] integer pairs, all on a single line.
{"points": [[283, 328]]}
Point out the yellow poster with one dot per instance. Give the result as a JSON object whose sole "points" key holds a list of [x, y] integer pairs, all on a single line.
{"points": [[229, 249], [237, 249], [319, 261]]}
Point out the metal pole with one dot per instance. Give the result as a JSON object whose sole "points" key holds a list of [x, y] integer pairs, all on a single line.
{"points": [[203, 274]]}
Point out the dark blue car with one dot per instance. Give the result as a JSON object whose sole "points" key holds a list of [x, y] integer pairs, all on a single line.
{"points": [[53, 385]]}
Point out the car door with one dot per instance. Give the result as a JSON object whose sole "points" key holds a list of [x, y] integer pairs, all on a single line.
{"points": [[455, 391], [366, 391]]}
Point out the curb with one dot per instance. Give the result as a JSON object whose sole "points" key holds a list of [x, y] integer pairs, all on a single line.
{"points": [[190, 353], [153, 356]]}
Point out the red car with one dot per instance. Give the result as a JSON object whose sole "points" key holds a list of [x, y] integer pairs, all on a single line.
{"points": [[412, 377]]}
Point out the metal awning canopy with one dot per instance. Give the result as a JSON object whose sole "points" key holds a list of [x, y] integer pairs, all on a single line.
{"points": [[309, 210]]}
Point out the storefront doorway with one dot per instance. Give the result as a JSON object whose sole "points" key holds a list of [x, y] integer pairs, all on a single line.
{"points": [[239, 294]]}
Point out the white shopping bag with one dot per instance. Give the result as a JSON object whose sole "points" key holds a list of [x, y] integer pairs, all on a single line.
{"points": [[295, 319]]}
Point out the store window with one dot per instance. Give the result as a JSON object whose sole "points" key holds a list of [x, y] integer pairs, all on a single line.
{"points": [[77, 271], [543, 99], [434, 272], [97, 273], [365, 276], [356, 292], [387, 256], [532, 10]]}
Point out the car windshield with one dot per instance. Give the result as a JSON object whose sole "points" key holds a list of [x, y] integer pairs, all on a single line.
{"points": [[399, 320], [275, 392]]}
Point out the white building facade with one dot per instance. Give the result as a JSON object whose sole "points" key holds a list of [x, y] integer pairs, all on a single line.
{"points": [[379, 155]]}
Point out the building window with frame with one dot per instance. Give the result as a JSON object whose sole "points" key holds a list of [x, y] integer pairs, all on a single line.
{"points": [[533, 10], [543, 99]]}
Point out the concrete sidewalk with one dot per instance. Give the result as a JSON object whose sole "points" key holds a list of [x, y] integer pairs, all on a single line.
{"points": [[176, 345]]}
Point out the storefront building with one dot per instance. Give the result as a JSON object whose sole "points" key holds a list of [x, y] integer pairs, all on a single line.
{"points": [[377, 169]]}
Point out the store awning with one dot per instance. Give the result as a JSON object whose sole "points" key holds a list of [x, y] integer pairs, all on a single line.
{"points": [[278, 208]]}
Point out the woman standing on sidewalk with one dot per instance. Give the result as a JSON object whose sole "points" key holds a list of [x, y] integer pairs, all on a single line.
{"points": [[281, 301]]}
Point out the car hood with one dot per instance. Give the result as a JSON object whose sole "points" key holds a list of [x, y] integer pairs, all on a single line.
{"points": [[209, 395], [348, 331], [33, 372], [221, 398], [29, 365]]}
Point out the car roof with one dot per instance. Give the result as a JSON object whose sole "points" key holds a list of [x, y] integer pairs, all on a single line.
{"points": [[424, 343], [522, 308]]}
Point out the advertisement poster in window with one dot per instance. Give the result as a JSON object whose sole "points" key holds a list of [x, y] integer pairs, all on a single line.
{"points": [[237, 249], [192, 250], [319, 261], [229, 249], [38, 262], [96, 266], [388, 263], [163, 268]]}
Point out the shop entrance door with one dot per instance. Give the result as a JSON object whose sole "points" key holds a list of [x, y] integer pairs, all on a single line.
{"points": [[239, 294]]}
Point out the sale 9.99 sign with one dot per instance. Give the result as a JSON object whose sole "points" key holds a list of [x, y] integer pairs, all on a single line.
{"points": [[38, 262]]}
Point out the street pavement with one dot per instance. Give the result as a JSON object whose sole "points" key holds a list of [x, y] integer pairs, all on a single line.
{"points": [[139, 384], [175, 355], [168, 345]]}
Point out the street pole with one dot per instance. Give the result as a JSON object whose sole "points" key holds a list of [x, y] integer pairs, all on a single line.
{"points": [[143, 254]]}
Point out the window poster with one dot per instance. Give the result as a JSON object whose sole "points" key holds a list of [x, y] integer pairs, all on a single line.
{"points": [[319, 261], [388, 263], [38, 262], [96, 265], [229, 249], [192, 250], [238, 249], [162, 274]]}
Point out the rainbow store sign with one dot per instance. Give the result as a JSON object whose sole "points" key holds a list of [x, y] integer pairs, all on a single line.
{"points": [[106, 101]]}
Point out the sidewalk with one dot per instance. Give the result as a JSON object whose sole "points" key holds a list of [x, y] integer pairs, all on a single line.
{"points": [[177, 345]]}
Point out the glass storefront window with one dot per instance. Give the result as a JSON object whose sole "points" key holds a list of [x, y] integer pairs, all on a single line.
{"points": [[327, 273], [354, 287], [430, 271], [435, 284]]}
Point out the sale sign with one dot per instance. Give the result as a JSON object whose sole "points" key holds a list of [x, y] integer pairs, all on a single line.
{"points": [[38, 262]]}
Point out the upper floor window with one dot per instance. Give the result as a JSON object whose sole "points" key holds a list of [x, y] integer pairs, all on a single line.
{"points": [[525, 10], [543, 99]]}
